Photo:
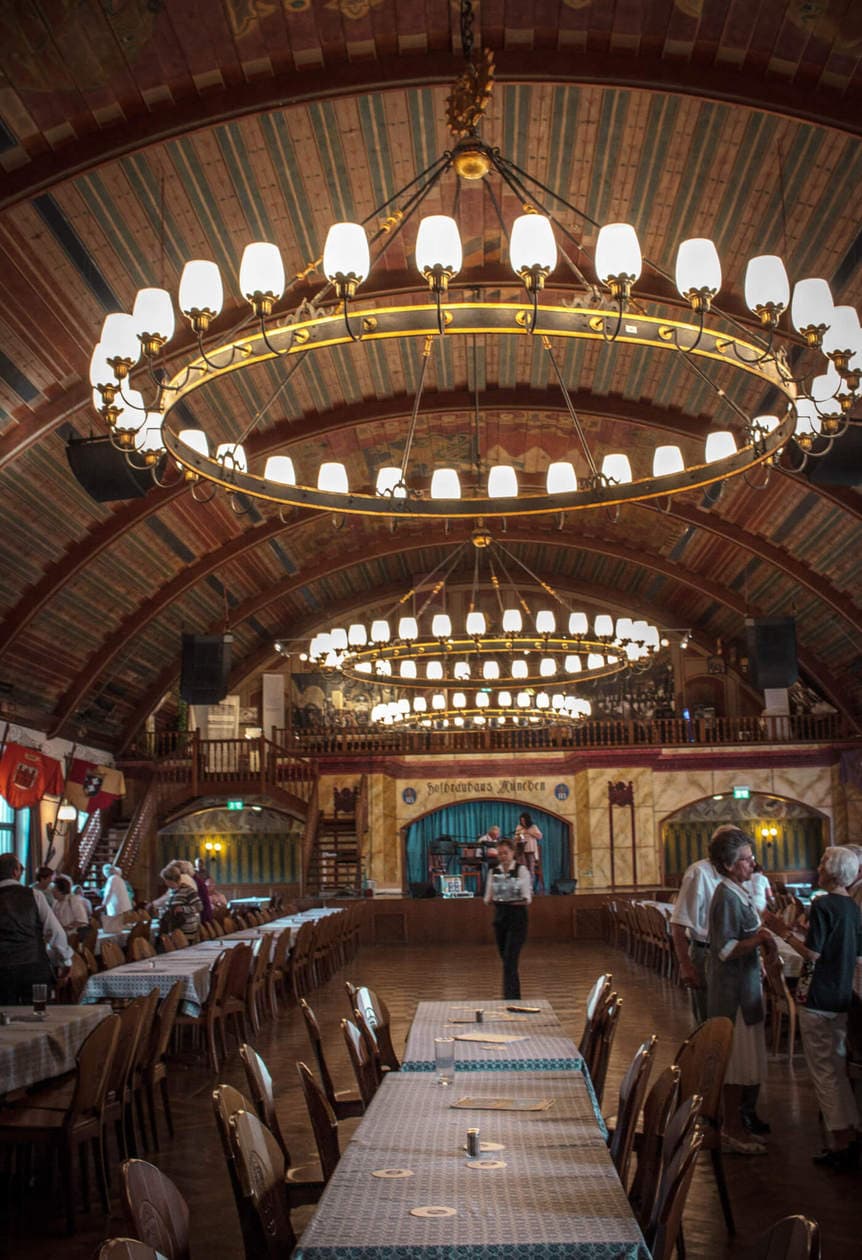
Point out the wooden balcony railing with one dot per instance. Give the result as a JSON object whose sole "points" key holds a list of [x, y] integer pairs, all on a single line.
{"points": [[184, 760]]}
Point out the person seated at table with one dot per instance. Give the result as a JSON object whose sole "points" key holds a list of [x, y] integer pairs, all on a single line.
{"points": [[510, 890], [73, 912], [528, 835], [116, 902], [832, 947], [30, 937], [183, 908], [42, 882], [734, 987]]}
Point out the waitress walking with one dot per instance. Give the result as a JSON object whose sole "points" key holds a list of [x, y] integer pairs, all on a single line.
{"points": [[510, 890]]}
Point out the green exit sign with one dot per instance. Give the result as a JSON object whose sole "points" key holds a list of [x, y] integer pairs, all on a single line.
{"points": [[741, 793], [235, 804]]}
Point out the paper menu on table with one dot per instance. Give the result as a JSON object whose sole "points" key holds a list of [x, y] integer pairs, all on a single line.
{"points": [[497, 1039], [501, 1104]]}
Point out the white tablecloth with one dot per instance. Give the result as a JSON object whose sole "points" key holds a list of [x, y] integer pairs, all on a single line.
{"points": [[32, 1052]]}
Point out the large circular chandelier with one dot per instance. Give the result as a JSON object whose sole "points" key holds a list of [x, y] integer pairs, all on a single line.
{"points": [[146, 420]]}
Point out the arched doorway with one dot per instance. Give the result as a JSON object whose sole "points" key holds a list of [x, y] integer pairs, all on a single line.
{"points": [[259, 844], [466, 820], [788, 836]]}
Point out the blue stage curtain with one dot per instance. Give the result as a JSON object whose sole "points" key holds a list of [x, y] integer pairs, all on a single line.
{"points": [[467, 820]]}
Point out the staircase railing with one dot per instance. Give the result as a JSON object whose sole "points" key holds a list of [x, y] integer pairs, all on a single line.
{"points": [[88, 841], [142, 821], [310, 836]]}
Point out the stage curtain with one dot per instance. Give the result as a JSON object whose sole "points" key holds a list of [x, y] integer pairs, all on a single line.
{"points": [[467, 820]]}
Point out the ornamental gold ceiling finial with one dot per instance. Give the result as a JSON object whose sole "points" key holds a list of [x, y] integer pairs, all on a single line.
{"points": [[470, 94]]}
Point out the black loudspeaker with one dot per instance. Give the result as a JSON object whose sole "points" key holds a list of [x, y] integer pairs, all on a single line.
{"points": [[423, 890], [104, 472], [771, 651], [205, 668]]}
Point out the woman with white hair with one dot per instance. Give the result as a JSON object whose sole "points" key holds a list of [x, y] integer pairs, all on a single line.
{"points": [[116, 902], [832, 946]]}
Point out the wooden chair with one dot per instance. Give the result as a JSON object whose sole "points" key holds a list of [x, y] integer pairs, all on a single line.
{"points": [[256, 988], [661, 1102], [227, 1101], [179, 940], [157, 1212], [141, 948], [228, 925], [794, 1238], [371, 1046], [361, 1061], [702, 1060], [608, 1019], [89, 958], [140, 931], [69, 990], [166, 943], [595, 998], [300, 1189], [278, 975], [234, 1002], [152, 1069], [663, 1233], [111, 955], [781, 1003], [323, 1122], [632, 1093], [67, 1129], [343, 1108], [302, 962], [126, 1249], [261, 1173], [376, 1014], [135, 1025], [211, 1017]]}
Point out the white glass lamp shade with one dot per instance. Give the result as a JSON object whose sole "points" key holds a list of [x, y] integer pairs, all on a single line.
{"points": [[807, 418], [261, 270], [438, 700], [441, 626], [118, 338], [153, 314], [624, 628], [558, 702], [618, 252], [438, 245], [420, 704], [357, 635], [561, 478], [232, 455], [363, 667], [332, 477], [595, 660], [320, 644], [201, 288], [482, 700], [812, 304], [543, 700], [280, 468], [149, 437], [490, 670], [504, 699], [383, 667], [547, 667], [603, 626], [633, 651], [697, 266], [667, 460], [578, 624], [825, 387], [408, 629], [338, 639], [100, 373], [546, 622], [502, 482], [843, 334], [531, 245], [719, 445], [572, 664], [616, 468], [346, 254], [387, 483], [651, 639], [67, 812], [475, 624], [403, 707], [766, 283], [513, 622], [461, 671], [519, 669], [378, 712], [523, 699], [380, 631], [459, 700], [332, 660], [480, 719], [407, 669], [434, 671], [639, 630], [133, 413], [445, 484], [196, 439]]}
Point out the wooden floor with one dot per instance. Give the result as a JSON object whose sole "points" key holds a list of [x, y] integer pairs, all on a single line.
{"points": [[762, 1189]]}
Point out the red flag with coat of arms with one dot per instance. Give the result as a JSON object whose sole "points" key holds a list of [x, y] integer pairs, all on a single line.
{"points": [[90, 787], [26, 775]]}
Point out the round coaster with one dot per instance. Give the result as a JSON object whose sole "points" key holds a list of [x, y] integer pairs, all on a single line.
{"points": [[433, 1212], [488, 1146], [392, 1173], [486, 1163]]}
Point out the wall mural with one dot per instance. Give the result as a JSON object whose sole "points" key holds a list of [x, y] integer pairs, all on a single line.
{"points": [[786, 835], [254, 845]]}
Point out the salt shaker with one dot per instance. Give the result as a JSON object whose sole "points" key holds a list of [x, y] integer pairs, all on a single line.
{"points": [[480, 1016], [472, 1143]]}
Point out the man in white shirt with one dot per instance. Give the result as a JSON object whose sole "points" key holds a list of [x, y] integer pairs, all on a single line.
{"points": [[689, 929], [71, 911], [30, 937]]}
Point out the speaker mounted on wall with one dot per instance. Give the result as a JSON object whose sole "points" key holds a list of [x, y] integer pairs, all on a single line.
{"points": [[104, 472], [771, 644], [205, 667]]}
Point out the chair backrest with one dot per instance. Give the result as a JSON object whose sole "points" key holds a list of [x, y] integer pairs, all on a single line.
{"points": [[660, 1103], [702, 1060], [227, 1101], [167, 944], [281, 949], [608, 1019], [130, 1017], [239, 965], [679, 1128], [126, 1249], [316, 1040], [260, 1168], [363, 1065], [141, 948], [670, 1204], [323, 1122], [94, 1061], [377, 1017], [262, 952], [228, 924], [86, 952], [794, 1238], [163, 1023], [776, 984], [157, 1212], [351, 990], [179, 939], [111, 955], [632, 1093], [263, 1095], [595, 999], [371, 1046], [70, 989], [140, 931]]}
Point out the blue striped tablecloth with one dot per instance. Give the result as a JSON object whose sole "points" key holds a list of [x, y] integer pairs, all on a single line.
{"points": [[543, 1048], [557, 1198]]}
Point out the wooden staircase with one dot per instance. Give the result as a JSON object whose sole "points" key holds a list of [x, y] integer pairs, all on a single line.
{"points": [[335, 859]]}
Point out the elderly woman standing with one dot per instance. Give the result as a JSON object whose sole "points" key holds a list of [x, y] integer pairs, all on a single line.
{"points": [[116, 902], [183, 909], [832, 946], [734, 986]]}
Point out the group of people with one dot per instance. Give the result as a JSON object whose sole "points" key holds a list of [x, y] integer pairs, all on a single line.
{"points": [[190, 900], [509, 888], [722, 931]]}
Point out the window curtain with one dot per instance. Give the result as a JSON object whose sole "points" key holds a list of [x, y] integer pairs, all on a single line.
{"points": [[467, 820]]}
